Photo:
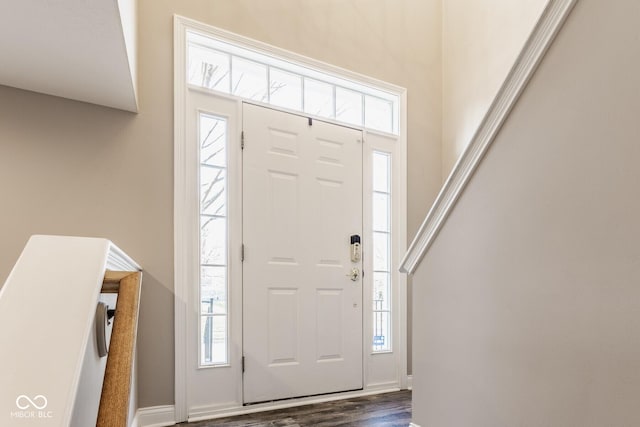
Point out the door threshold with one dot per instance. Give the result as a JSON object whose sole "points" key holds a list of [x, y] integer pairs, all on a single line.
{"points": [[287, 399], [283, 404]]}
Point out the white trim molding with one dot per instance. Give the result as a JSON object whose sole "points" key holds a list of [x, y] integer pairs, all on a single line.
{"points": [[414, 425], [212, 413], [155, 416], [213, 392], [409, 382], [547, 27], [181, 251], [118, 260]]}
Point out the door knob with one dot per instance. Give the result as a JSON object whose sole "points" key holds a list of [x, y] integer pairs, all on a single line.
{"points": [[354, 274]]}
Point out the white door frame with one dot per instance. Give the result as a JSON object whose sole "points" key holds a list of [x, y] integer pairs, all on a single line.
{"points": [[382, 371]]}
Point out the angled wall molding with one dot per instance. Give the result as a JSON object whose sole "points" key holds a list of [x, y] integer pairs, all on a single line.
{"points": [[547, 27]]}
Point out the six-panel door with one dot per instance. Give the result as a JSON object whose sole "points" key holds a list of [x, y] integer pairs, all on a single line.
{"points": [[302, 201]]}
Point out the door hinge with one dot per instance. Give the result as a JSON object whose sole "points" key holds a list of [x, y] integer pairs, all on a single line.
{"points": [[242, 363], [242, 140], [242, 253]]}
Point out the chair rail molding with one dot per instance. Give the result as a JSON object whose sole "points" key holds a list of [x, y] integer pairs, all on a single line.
{"points": [[541, 38]]}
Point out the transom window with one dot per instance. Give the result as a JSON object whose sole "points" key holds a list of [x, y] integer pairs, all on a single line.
{"points": [[216, 65]]}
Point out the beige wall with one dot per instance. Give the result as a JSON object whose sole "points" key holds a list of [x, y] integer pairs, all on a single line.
{"points": [[77, 169], [527, 305], [480, 42], [395, 41]]}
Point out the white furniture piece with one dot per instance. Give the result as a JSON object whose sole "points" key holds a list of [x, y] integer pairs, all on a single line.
{"points": [[50, 370]]}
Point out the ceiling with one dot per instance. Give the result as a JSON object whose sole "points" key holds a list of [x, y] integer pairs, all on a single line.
{"points": [[76, 49]]}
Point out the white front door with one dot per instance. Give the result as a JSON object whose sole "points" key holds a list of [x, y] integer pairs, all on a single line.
{"points": [[302, 202]]}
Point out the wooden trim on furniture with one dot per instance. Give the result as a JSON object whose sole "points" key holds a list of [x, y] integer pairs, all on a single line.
{"points": [[116, 389], [111, 282]]}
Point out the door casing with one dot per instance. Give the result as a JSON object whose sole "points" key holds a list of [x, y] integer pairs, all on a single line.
{"points": [[223, 389]]}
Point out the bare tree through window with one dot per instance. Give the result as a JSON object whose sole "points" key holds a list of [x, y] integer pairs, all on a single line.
{"points": [[213, 240]]}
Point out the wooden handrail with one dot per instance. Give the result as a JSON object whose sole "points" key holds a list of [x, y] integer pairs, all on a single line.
{"points": [[116, 388]]}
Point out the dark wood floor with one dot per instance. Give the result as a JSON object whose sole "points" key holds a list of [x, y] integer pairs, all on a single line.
{"points": [[380, 410]]}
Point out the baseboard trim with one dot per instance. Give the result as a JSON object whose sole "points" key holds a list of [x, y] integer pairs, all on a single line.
{"points": [[409, 382], [414, 425], [162, 416], [384, 387], [155, 416], [204, 413]]}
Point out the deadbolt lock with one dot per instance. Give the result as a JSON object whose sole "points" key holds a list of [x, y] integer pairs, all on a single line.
{"points": [[354, 274]]}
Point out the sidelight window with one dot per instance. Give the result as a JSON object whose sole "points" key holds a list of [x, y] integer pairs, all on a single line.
{"points": [[381, 251], [213, 241]]}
